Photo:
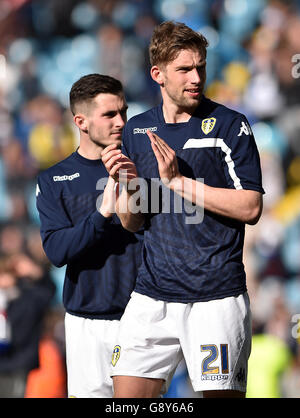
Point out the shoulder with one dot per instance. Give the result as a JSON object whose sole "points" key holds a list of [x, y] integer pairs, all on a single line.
{"points": [[48, 180], [57, 168], [222, 111], [143, 118], [230, 123], [134, 134]]}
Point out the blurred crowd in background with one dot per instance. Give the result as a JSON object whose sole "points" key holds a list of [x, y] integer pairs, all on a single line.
{"points": [[253, 66]]}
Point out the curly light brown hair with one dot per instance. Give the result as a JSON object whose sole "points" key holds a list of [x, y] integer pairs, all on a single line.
{"points": [[169, 38]]}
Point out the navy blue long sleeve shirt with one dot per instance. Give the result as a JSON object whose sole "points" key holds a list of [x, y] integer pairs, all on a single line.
{"points": [[188, 258], [102, 258]]}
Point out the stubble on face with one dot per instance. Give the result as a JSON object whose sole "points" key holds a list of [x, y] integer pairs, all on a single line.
{"points": [[184, 80], [106, 120]]}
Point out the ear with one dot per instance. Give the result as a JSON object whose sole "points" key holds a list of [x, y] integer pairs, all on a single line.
{"points": [[158, 75], [81, 122]]}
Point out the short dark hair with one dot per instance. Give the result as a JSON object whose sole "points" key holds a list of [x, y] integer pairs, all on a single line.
{"points": [[169, 38], [89, 86]]}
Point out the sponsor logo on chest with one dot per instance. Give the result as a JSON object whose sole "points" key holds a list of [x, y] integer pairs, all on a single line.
{"points": [[64, 178], [144, 130]]}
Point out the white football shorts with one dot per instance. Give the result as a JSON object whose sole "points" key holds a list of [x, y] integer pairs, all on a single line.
{"points": [[89, 346], [214, 338]]}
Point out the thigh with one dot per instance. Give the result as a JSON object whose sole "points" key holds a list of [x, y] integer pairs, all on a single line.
{"points": [[137, 387], [216, 344], [224, 394], [89, 345], [147, 345]]}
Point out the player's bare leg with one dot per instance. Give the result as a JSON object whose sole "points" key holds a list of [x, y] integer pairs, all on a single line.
{"points": [[223, 394], [136, 387]]}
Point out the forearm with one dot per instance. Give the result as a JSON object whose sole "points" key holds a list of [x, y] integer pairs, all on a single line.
{"points": [[68, 243], [131, 218], [63, 241], [123, 170], [242, 205]]}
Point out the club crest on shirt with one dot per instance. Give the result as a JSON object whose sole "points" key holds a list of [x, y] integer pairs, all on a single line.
{"points": [[116, 355], [208, 125]]}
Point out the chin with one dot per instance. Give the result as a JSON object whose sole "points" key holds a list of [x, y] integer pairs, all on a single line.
{"points": [[118, 142], [191, 105]]}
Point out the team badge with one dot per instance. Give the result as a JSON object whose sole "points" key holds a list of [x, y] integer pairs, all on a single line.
{"points": [[208, 125], [116, 355]]}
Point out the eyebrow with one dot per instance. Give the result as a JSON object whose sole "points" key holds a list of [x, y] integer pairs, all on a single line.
{"points": [[113, 111], [187, 66]]}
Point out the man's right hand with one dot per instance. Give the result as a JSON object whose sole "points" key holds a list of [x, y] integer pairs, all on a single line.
{"points": [[118, 166], [123, 170]]}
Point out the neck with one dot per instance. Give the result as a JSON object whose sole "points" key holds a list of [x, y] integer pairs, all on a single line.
{"points": [[174, 113], [89, 149]]}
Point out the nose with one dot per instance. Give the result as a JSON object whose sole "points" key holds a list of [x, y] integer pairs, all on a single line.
{"points": [[120, 122], [195, 76]]}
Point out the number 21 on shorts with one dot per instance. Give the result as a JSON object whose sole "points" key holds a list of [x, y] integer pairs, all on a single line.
{"points": [[208, 366]]}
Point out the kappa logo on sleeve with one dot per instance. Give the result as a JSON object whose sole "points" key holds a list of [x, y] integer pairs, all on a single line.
{"points": [[37, 190], [245, 129], [208, 125]]}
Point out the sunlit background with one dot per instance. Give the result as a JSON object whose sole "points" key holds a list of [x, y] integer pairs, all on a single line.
{"points": [[253, 66]]}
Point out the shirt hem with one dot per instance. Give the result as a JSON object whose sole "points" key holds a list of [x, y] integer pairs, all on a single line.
{"points": [[108, 317], [168, 298]]}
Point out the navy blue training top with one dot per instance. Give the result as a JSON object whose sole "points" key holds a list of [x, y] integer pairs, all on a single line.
{"points": [[102, 258], [187, 258]]}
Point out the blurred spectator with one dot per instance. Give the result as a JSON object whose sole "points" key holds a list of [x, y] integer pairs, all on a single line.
{"points": [[49, 379], [11, 239], [25, 294], [269, 360], [110, 43], [5, 203], [51, 137], [291, 379], [35, 249]]}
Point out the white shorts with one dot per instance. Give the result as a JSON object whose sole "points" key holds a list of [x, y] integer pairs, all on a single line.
{"points": [[89, 346], [214, 338]]}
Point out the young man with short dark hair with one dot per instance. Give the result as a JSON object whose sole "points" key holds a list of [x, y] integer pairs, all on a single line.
{"points": [[79, 228]]}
